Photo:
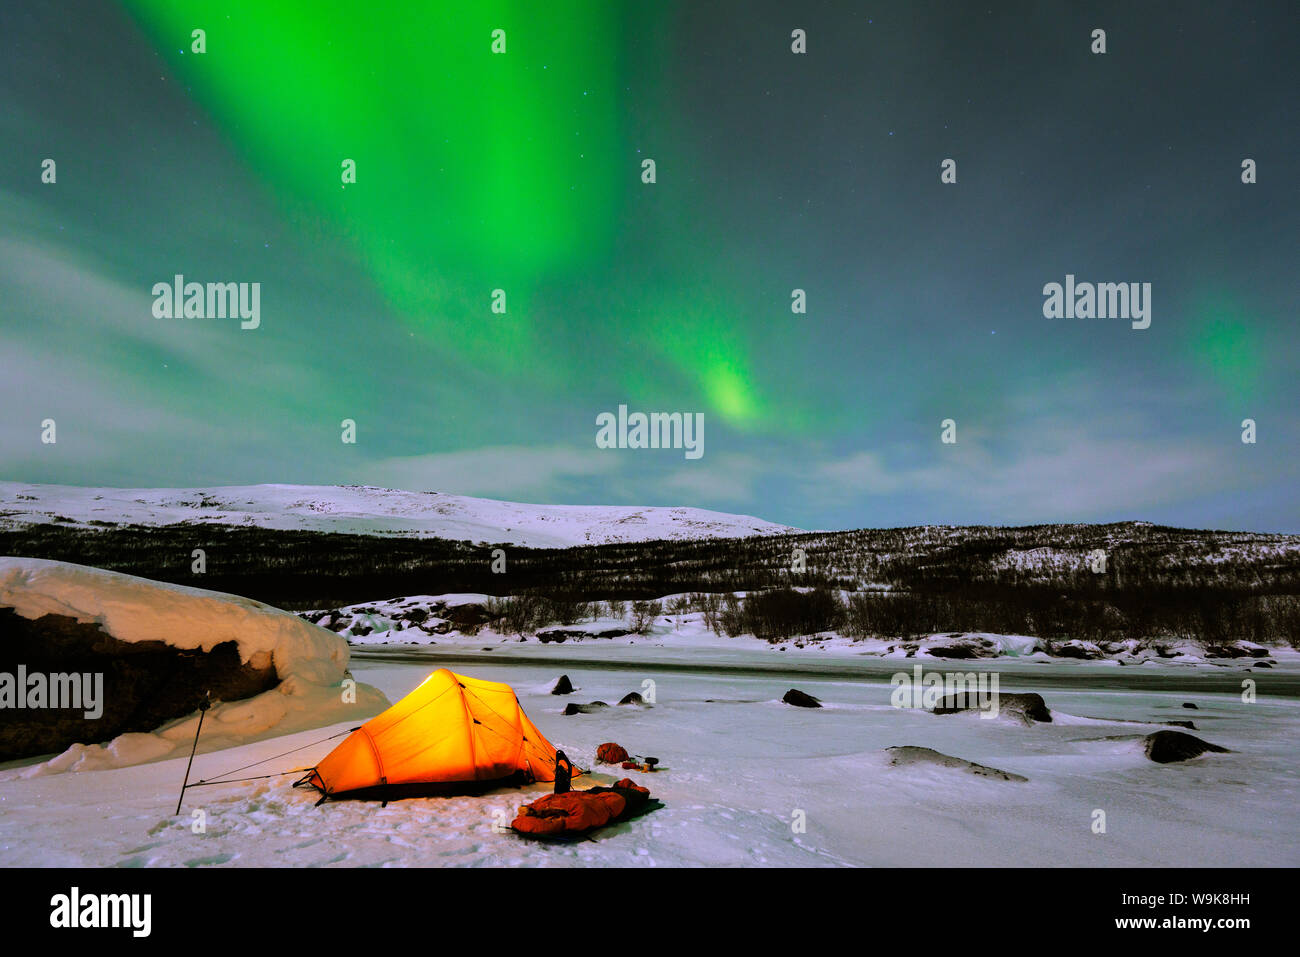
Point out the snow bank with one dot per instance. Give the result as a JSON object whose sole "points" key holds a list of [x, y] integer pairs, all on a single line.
{"points": [[137, 609], [310, 662]]}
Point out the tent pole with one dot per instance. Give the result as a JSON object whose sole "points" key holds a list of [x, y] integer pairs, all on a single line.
{"points": [[203, 709]]}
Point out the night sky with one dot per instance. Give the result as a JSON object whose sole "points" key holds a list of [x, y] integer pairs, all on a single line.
{"points": [[775, 171]]}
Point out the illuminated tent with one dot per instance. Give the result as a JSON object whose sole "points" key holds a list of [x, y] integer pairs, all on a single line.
{"points": [[452, 734]]}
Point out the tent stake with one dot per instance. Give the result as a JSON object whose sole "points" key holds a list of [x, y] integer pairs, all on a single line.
{"points": [[203, 709]]}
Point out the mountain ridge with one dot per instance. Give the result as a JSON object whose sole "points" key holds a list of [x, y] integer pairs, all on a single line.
{"points": [[370, 510]]}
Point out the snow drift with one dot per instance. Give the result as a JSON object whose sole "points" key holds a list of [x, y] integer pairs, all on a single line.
{"points": [[309, 664]]}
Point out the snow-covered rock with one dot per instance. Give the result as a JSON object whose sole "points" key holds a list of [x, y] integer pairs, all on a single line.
{"points": [[909, 755], [124, 616], [598, 628], [411, 620], [1077, 648], [1236, 649]]}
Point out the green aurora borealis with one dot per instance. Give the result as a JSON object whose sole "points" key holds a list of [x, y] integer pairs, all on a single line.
{"points": [[522, 171]]}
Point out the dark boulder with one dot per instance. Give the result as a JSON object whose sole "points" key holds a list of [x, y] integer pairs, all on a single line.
{"points": [[1027, 708], [1165, 747], [562, 685], [574, 708], [800, 700]]}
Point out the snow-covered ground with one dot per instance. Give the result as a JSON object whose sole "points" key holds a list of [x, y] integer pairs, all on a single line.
{"points": [[742, 769], [375, 511], [746, 779]]}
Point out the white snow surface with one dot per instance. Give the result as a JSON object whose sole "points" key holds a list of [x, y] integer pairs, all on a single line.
{"points": [[370, 510], [311, 662], [739, 765]]}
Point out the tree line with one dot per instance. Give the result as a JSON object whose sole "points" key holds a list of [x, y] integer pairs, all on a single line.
{"points": [[1034, 580]]}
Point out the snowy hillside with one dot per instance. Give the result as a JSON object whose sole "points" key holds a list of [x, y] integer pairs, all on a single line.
{"points": [[369, 510]]}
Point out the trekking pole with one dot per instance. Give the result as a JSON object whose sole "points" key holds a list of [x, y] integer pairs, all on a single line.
{"points": [[204, 705]]}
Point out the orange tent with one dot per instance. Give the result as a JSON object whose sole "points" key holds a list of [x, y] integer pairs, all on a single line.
{"points": [[452, 734]]}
